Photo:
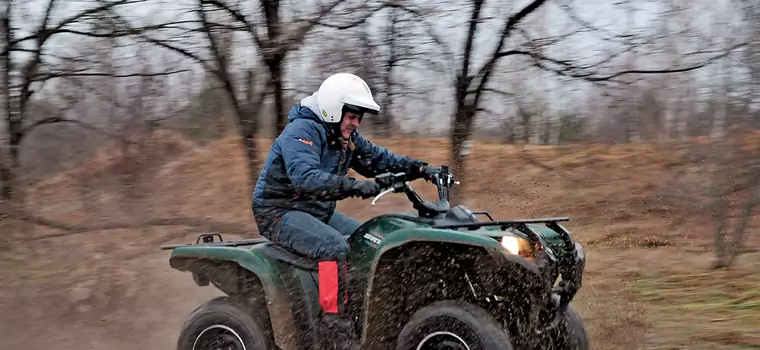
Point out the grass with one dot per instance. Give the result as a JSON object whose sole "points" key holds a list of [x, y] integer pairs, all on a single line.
{"points": [[704, 309]]}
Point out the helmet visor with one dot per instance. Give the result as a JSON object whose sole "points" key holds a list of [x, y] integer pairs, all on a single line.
{"points": [[347, 107]]}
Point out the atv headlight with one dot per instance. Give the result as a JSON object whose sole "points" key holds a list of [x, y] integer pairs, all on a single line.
{"points": [[517, 246]]}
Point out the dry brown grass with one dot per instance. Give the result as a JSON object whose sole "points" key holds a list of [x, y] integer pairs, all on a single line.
{"points": [[647, 285]]}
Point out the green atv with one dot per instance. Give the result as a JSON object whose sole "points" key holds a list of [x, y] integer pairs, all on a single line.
{"points": [[431, 280]]}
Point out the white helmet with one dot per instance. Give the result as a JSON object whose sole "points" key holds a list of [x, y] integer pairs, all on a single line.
{"points": [[344, 90]]}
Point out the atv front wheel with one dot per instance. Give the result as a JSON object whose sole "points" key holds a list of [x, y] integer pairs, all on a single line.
{"points": [[453, 325], [223, 324], [570, 334]]}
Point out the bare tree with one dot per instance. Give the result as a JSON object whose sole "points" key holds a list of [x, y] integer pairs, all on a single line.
{"points": [[472, 83], [281, 39], [215, 57], [272, 49], [23, 77], [735, 180], [403, 49], [408, 44], [751, 13], [391, 40]]}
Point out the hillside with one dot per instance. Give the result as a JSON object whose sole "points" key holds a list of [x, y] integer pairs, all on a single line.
{"points": [[642, 211]]}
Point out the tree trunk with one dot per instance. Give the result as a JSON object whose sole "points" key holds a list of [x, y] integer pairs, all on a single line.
{"points": [[6, 177], [275, 74], [458, 169], [249, 125], [384, 122], [459, 134], [12, 188], [6, 171], [251, 151]]}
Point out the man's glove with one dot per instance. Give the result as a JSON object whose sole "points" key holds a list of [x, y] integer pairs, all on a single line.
{"points": [[365, 189], [414, 171], [421, 170], [428, 172]]}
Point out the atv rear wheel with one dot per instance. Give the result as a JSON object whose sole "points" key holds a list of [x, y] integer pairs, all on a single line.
{"points": [[453, 325], [223, 324]]}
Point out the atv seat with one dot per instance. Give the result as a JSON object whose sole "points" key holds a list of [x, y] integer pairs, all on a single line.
{"points": [[285, 255]]}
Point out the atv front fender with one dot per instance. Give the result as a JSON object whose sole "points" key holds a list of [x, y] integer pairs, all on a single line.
{"points": [[377, 248], [204, 263], [486, 241], [426, 234]]}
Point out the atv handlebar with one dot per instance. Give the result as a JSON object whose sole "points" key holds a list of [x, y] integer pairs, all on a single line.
{"points": [[397, 183]]}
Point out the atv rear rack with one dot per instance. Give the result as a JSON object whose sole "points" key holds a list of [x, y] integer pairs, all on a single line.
{"points": [[207, 239]]}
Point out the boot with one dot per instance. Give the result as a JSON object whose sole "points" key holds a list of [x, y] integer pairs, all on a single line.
{"points": [[339, 330], [338, 326]]}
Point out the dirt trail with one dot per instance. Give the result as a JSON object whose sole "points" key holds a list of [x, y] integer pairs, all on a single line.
{"points": [[135, 303]]}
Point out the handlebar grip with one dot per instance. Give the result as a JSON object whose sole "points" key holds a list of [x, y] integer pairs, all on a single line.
{"points": [[387, 180], [384, 180]]}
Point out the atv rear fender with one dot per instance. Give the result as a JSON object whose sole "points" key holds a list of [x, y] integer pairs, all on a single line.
{"points": [[240, 272]]}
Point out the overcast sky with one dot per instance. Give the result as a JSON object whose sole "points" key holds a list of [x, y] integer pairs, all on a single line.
{"points": [[450, 25]]}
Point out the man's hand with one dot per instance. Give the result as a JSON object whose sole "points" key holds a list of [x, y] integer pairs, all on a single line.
{"points": [[365, 189], [423, 171], [428, 172]]}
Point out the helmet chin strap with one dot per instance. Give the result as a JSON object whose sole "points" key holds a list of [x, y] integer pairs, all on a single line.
{"points": [[334, 129], [334, 136]]}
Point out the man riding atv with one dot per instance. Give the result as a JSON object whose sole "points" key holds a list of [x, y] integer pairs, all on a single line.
{"points": [[305, 174]]}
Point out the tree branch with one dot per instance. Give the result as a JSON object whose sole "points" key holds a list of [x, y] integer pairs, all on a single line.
{"points": [[288, 43], [222, 62], [572, 71], [48, 76], [44, 33], [496, 91], [237, 15], [485, 72], [54, 120]]}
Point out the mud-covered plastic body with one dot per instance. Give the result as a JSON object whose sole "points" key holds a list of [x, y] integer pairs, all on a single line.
{"points": [[400, 263]]}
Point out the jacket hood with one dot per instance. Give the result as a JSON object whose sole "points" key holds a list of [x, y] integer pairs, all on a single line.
{"points": [[308, 109]]}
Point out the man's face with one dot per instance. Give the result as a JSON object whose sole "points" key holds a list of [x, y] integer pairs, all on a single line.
{"points": [[349, 123]]}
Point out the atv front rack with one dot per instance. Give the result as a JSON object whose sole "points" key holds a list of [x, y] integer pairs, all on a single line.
{"points": [[505, 224], [207, 239], [520, 225]]}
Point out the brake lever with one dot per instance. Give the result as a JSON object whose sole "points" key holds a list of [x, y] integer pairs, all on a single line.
{"points": [[382, 194]]}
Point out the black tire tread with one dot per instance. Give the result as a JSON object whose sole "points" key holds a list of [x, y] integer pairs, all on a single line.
{"points": [[489, 330], [573, 334], [234, 309]]}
